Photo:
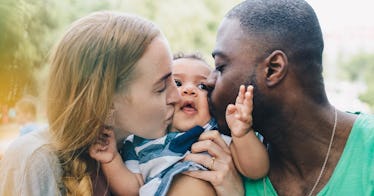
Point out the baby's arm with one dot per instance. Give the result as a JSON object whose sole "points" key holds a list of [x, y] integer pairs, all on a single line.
{"points": [[249, 154], [120, 179]]}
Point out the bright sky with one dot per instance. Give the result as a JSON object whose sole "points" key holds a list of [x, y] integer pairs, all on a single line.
{"points": [[347, 25], [349, 21], [344, 12], [346, 20], [348, 28]]}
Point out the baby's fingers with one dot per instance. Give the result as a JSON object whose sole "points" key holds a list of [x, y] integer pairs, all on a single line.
{"points": [[248, 97], [230, 109], [105, 136], [247, 107], [245, 110], [248, 100], [102, 140], [240, 97], [95, 149], [108, 132]]}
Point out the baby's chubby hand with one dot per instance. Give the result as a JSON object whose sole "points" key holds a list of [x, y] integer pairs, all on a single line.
{"points": [[239, 116], [104, 149]]}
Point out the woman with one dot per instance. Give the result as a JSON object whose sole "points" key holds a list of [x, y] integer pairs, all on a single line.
{"points": [[109, 70]]}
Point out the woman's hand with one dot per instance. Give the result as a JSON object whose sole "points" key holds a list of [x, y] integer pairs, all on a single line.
{"points": [[223, 174]]}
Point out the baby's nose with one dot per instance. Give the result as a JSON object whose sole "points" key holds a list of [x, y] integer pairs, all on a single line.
{"points": [[189, 90]]}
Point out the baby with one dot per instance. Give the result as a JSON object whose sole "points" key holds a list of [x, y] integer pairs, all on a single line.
{"points": [[154, 162]]}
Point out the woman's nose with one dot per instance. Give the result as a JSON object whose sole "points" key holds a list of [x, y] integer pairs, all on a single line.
{"points": [[173, 96]]}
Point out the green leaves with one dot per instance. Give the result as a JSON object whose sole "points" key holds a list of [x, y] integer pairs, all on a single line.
{"points": [[29, 28], [361, 68]]}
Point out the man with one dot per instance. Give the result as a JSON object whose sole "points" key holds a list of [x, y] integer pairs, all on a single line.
{"points": [[276, 46]]}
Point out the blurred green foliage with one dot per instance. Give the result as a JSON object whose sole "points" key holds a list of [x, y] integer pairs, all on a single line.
{"points": [[29, 28], [360, 68]]}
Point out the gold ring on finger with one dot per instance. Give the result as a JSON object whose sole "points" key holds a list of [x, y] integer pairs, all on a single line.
{"points": [[212, 164]]}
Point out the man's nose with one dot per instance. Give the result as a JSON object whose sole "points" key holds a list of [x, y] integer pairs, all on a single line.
{"points": [[211, 81]]}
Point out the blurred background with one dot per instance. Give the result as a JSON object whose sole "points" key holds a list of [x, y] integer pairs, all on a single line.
{"points": [[29, 28]]}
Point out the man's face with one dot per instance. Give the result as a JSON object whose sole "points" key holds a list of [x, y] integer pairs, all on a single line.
{"points": [[235, 65]]}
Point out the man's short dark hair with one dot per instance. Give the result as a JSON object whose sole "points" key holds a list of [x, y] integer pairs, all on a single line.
{"points": [[288, 25]]}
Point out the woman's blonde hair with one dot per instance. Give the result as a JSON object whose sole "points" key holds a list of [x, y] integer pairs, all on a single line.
{"points": [[93, 60]]}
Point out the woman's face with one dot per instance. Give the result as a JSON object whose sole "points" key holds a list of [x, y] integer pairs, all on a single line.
{"points": [[147, 107]]}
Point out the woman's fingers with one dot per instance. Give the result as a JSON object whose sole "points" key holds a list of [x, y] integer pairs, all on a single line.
{"points": [[222, 174], [203, 159], [219, 167], [212, 142]]}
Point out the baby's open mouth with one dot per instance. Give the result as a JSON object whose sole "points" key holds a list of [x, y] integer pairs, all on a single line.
{"points": [[188, 106]]}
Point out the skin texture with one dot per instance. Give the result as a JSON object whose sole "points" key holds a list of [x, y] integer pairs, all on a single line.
{"points": [[190, 77], [151, 111], [147, 108], [93, 61], [161, 92], [297, 127], [227, 82], [197, 187], [249, 153], [224, 177]]}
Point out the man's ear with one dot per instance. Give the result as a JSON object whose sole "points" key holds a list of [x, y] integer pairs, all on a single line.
{"points": [[276, 67]]}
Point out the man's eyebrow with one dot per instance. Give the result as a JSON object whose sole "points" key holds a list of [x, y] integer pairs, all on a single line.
{"points": [[218, 53]]}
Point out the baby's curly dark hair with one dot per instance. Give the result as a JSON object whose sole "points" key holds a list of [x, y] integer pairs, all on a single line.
{"points": [[195, 55]]}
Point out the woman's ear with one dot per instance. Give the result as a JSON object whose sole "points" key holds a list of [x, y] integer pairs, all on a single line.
{"points": [[276, 67]]}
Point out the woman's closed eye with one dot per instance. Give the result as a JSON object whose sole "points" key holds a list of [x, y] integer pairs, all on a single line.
{"points": [[163, 88], [163, 85]]}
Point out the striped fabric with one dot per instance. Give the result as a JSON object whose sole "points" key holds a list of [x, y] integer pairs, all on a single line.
{"points": [[159, 160]]}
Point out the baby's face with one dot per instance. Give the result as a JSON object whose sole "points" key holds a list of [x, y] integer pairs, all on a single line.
{"points": [[190, 77]]}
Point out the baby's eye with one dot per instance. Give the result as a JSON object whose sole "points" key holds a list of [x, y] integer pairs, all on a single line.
{"points": [[202, 86], [178, 83]]}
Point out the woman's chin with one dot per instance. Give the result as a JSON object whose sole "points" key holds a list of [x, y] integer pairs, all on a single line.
{"points": [[121, 134]]}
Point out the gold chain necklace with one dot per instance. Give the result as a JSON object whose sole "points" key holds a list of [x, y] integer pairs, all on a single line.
{"points": [[327, 154], [326, 158]]}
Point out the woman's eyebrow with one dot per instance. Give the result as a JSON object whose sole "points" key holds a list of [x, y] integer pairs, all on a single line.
{"points": [[163, 78]]}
